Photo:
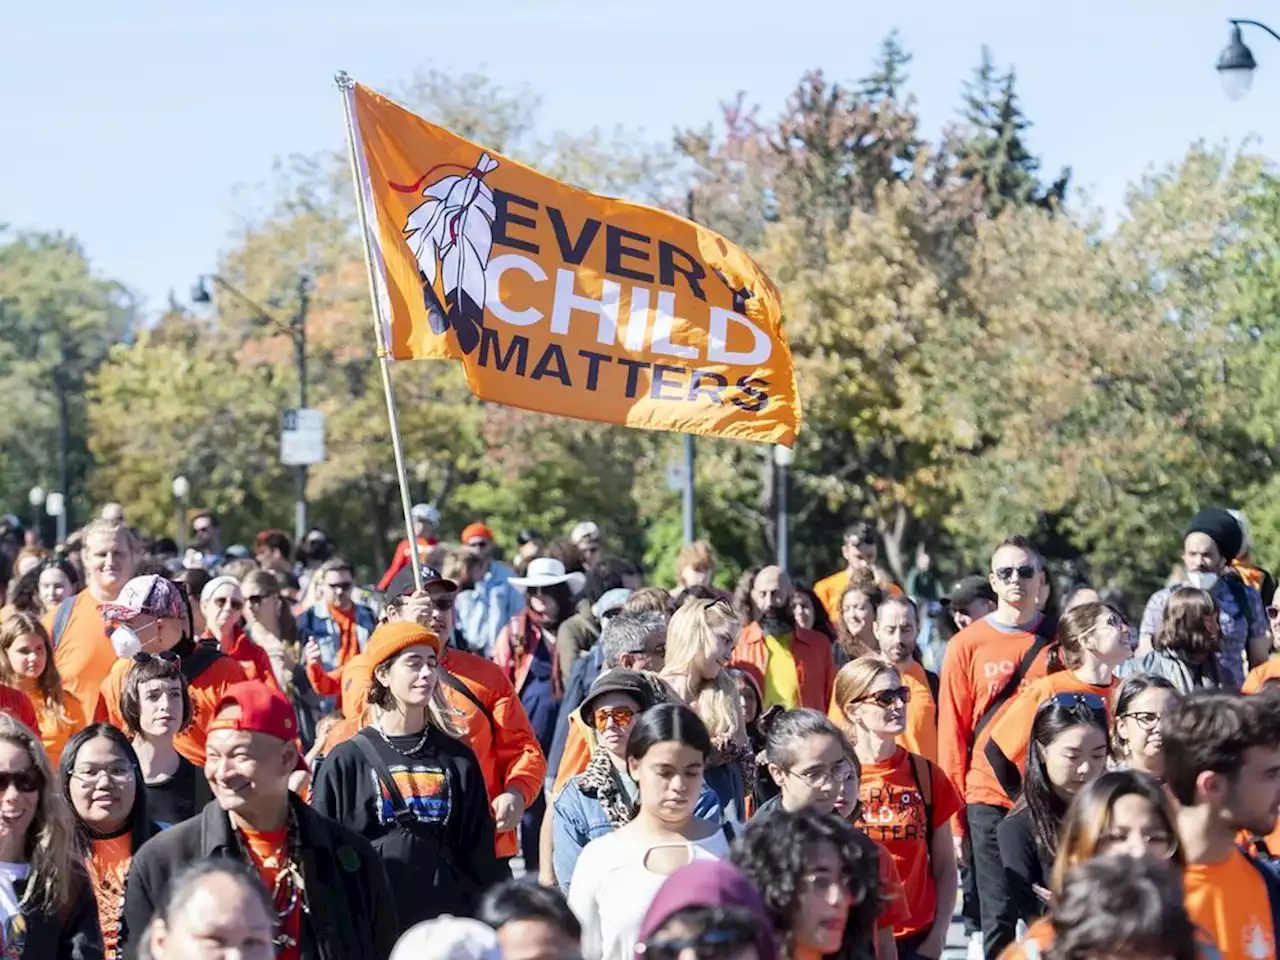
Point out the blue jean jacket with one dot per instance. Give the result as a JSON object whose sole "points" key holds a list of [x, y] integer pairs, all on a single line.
{"points": [[579, 819]]}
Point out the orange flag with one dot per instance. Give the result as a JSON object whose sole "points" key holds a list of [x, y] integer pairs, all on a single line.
{"points": [[561, 301]]}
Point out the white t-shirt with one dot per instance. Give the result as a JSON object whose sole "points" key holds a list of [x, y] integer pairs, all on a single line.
{"points": [[611, 889]]}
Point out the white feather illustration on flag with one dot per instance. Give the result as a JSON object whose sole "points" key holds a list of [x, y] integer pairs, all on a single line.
{"points": [[451, 236]]}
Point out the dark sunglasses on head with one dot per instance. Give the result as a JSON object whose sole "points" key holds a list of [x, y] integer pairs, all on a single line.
{"points": [[887, 698], [30, 780], [711, 944], [1092, 701], [1024, 572], [168, 656]]}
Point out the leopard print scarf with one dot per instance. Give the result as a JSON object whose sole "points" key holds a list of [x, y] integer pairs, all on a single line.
{"points": [[600, 782]]}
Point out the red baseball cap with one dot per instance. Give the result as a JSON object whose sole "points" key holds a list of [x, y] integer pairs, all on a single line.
{"points": [[262, 710]]}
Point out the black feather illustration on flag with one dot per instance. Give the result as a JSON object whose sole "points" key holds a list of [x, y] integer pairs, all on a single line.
{"points": [[451, 236]]}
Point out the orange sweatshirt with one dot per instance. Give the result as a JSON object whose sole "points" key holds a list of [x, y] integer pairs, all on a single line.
{"points": [[1011, 731], [979, 661]]}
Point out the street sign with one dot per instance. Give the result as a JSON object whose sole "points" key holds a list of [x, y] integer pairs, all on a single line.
{"points": [[302, 438], [676, 476]]}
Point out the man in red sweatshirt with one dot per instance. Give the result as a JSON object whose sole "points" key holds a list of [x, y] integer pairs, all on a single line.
{"points": [[985, 664]]}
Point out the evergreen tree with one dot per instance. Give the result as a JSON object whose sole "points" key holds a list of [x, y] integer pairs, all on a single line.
{"points": [[888, 77], [992, 148]]}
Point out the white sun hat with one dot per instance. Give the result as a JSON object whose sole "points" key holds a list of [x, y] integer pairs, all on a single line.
{"points": [[448, 938], [547, 572]]}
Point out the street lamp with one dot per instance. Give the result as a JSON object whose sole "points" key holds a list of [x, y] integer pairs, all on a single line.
{"points": [[1236, 64], [35, 497], [783, 457], [296, 330], [180, 490]]}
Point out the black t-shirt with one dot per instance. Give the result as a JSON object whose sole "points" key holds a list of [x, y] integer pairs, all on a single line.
{"points": [[178, 798]]}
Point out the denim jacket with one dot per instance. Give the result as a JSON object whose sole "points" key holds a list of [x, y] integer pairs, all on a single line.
{"points": [[316, 624], [579, 819]]}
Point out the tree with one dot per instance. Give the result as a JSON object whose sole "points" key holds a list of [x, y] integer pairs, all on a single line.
{"points": [[991, 146], [58, 319], [888, 77]]}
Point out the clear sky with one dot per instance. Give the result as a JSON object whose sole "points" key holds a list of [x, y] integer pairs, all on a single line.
{"points": [[132, 124]]}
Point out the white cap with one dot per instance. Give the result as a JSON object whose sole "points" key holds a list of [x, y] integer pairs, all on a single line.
{"points": [[448, 938], [583, 532], [426, 512]]}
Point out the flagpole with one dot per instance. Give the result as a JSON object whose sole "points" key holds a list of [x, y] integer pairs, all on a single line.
{"points": [[347, 86]]}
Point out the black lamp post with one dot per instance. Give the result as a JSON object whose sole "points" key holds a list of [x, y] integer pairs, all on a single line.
{"points": [[296, 329], [1236, 64]]}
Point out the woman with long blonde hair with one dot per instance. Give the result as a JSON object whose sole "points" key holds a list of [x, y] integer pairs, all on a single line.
{"points": [[906, 802], [700, 641], [47, 906], [26, 663]]}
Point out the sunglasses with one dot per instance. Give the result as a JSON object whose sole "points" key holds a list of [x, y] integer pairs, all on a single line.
{"points": [[709, 945], [478, 544], [622, 716], [343, 585], [30, 780], [1023, 572], [887, 698], [1090, 700], [442, 605], [228, 602], [257, 599], [167, 656]]}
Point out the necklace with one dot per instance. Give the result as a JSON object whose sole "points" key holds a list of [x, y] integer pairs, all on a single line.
{"points": [[417, 747], [288, 891]]}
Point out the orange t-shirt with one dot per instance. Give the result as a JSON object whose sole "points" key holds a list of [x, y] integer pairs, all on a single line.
{"points": [[921, 735], [19, 706], [893, 814], [830, 589], [55, 730], [1011, 730], [108, 865], [1261, 675], [979, 661], [84, 654], [205, 692], [1228, 900], [268, 851], [894, 895]]}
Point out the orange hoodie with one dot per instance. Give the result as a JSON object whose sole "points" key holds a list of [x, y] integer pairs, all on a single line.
{"points": [[1010, 733], [979, 661]]}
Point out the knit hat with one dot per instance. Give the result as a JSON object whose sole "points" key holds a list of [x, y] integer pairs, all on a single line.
{"points": [[476, 531], [392, 638], [1221, 527]]}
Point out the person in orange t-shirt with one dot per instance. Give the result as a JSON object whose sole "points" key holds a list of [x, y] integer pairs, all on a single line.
{"points": [[980, 663], [157, 618], [223, 605], [896, 630], [82, 647], [26, 665], [906, 803], [859, 551], [1093, 640], [1222, 764]]}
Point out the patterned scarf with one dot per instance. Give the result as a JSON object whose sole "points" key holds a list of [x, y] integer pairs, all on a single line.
{"points": [[600, 781]]}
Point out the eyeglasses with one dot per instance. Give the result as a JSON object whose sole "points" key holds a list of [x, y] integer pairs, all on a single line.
{"points": [[711, 944], [1024, 572], [30, 780], [167, 656], [622, 716], [231, 602], [119, 774], [824, 883], [1090, 700], [341, 585], [478, 544], [825, 776], [1145, 720], [887, 698]]}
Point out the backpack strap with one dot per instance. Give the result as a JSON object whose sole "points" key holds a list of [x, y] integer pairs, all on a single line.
{"points": [[1042, 641], [454, 683], [922, 774], [399, 809], [199, 660], [60, 621]]}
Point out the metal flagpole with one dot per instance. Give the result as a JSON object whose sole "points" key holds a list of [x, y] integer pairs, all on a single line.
{"points": [[347, 86]]}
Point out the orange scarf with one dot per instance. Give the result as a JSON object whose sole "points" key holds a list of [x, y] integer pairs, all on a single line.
{"points": [[349, 639]]}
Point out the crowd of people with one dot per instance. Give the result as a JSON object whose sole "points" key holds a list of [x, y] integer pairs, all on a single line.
{"points": [[227, 751]]}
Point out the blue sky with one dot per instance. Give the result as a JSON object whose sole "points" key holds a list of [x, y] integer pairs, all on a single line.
{"points": [[133, 124]]}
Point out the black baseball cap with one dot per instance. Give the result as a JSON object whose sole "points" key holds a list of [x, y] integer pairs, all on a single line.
{"points": [[968, 589], [402, 584]]}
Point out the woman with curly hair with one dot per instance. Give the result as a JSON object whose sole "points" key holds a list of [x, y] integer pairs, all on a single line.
{"points": [[700, 641], [819, 879]]}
